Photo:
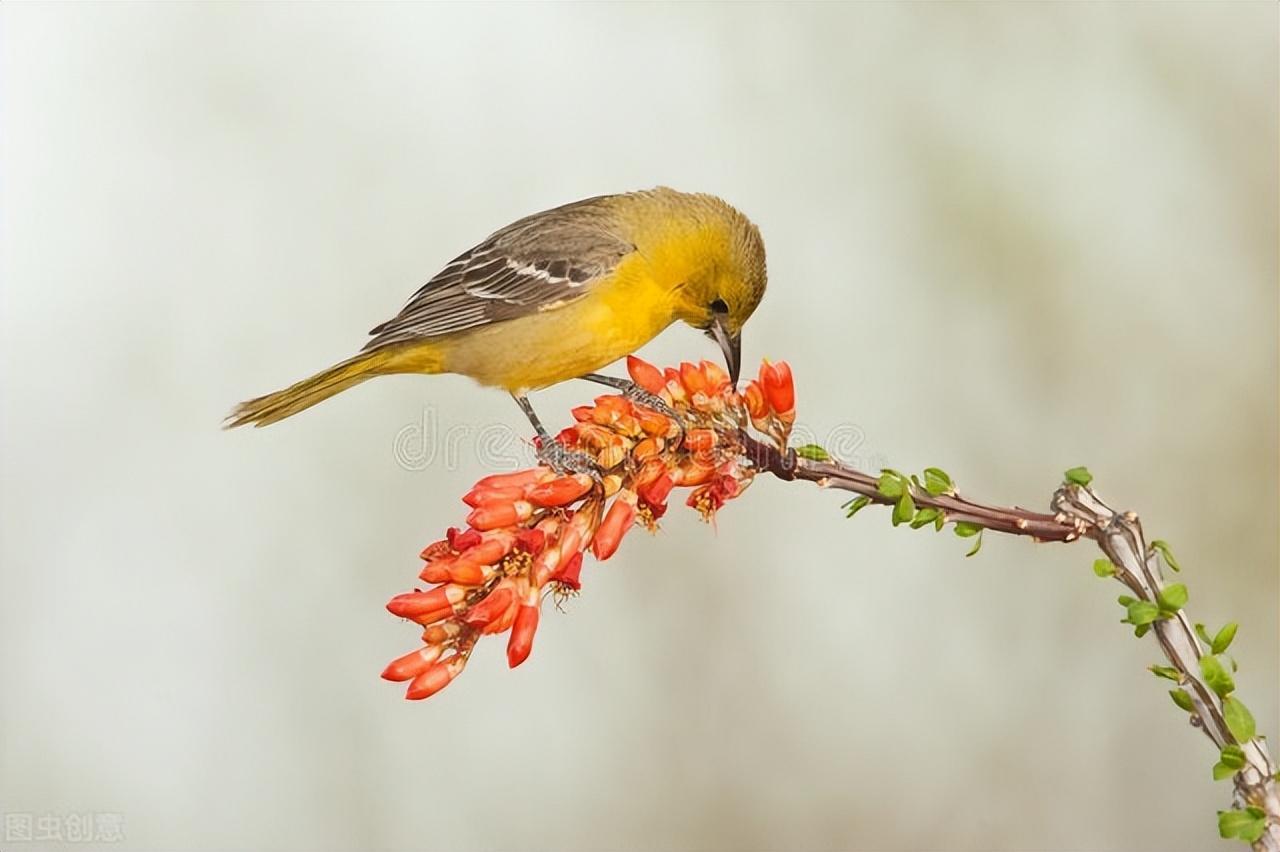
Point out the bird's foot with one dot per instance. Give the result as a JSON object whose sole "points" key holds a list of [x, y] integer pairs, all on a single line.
{"points": [[640, 396], [563, 460], [632, 391]]}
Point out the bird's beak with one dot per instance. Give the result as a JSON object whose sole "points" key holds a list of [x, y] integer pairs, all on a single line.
{"points": [[730, 345]]}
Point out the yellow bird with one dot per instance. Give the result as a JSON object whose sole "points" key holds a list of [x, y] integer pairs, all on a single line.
{"points": [[558, 295]]}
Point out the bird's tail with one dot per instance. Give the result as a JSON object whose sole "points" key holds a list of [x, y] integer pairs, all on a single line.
{"points": [[273, 407]]}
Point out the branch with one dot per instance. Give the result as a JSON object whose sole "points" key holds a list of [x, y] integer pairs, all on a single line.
{"points": [[1205, 688]]}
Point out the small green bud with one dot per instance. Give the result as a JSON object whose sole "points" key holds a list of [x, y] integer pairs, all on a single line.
{"points": [[1104, 568], [1248, 824], [1172, 598], [1222, 641], [1203, 634], [1163, 546], [855, 506], [890, 484], [904, 510], [1183, 699], [1141, 612], [1216, 676], [1166, 672], [924, 517], [965, 529], [1233, 756], [813, 452], [1239, 720], [1079, 476], [936, 481], [977, 545]]}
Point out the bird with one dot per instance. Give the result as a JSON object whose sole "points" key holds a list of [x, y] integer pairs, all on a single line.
{"points": [[558, 295]]}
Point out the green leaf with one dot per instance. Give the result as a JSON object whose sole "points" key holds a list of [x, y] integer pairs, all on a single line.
{"points": [[1248, 824], [1172, 598], [1183, 699], [925, 517], [1163, 546], [1203, 634], [977, 545], [1233, 756], [904, 509], [1221, 770], [1222, 641], [856, 505], [1141, 630], [890, 484], [1216, 676], [1142, 612], [1079, 476], [1104, 568], [939, 522], [1166, 672], [1239, 720], [813, 452], [964, 529], [936, 481], [1125, 600]]}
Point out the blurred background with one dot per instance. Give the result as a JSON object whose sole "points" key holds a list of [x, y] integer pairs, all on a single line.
{"points": [[1005, 240]]}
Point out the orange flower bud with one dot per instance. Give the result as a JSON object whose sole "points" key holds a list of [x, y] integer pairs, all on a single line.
{"points": [[753, 398], [518, 478], [617, 521], [645, 375], [437, 570], [779, 390], [559, 491], [521, 641], [656, 423], [717, 378], [491, 608], [647, 449], [431, 606], [490, 516], [693, 379], [700, 440], [436, 678], [412, 664], [483, 496]]}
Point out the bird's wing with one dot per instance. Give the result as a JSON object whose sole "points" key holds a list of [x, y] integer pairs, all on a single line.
{"points": [[535, 264]]}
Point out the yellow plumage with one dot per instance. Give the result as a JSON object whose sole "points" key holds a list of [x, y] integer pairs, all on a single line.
{"points": [[559, 295]]}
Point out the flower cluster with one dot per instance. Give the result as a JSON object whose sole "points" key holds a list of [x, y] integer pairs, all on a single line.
{"points": [[528, 531]]}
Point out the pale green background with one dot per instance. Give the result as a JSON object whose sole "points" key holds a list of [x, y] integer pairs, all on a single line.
{"points": [[1002, 239]]}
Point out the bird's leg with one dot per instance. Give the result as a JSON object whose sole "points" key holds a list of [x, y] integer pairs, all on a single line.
{"points": [[636, 394], [551, 452]]}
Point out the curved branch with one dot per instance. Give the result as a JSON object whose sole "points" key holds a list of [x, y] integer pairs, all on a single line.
{"points": [[1078, 512]]}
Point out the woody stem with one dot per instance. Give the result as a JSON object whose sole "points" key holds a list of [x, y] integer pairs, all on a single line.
{"points": [[1078, 513]]}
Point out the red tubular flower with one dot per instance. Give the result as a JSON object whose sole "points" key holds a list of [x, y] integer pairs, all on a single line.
{"points": [[521, 641], [528, 530]]}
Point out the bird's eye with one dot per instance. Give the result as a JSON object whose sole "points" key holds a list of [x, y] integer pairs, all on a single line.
{"points": [[719, 307]]}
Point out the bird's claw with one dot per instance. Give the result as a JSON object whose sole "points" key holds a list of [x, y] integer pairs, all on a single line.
{"points": [[564, 461], [640, 396]]}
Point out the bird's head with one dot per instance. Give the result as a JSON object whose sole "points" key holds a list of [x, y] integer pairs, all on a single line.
{"points": [[723, 297]]}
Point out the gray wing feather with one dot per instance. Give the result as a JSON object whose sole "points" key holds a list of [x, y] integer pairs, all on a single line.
{"points": [[535, 264]]}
